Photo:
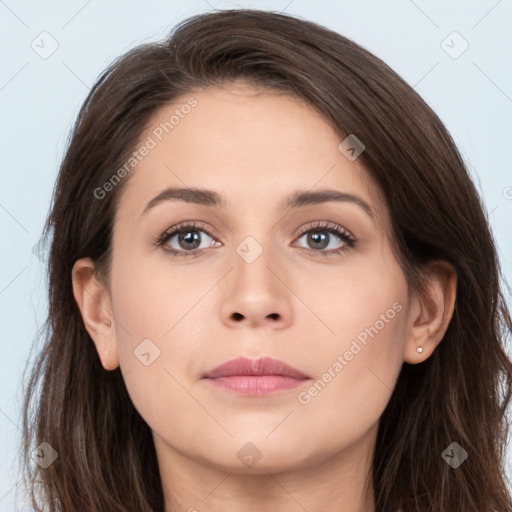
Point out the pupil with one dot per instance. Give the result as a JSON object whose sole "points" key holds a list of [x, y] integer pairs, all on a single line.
{"points": [[195, 238], [319, 238]]}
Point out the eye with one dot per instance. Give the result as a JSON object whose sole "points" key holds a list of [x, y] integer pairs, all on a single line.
{"points": [[187, 237], [319, 236]]}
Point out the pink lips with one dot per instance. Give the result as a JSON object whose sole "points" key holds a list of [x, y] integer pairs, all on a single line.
{"points": [[255, 377]]}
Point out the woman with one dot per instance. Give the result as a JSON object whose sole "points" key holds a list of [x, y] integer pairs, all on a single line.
{"points": [[333, 337]]}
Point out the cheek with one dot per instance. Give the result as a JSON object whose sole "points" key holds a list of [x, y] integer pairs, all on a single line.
{"points": [[364, 300], [362, 351], [158, 345], [353, 386], [147, 300]]}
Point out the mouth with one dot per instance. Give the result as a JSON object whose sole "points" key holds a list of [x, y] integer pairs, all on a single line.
{"points": [[255, 377]]}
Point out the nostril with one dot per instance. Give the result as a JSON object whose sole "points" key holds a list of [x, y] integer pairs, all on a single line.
{"points": [[237, 316]]}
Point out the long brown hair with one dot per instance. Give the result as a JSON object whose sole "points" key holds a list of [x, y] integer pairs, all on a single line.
{"points": [[106, 458]]}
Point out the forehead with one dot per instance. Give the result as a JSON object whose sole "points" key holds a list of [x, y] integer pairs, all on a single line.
{"points": [[250, 144]]}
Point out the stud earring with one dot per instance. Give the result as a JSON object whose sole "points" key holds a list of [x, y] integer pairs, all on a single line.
{"points": [[419, 349]]}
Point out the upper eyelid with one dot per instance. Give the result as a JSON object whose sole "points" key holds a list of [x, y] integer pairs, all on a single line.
{"points": [[201, 226], [191, 225], [326, 225]]}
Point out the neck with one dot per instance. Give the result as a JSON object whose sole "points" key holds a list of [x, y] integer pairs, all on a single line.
{"points": [[334, 482]]}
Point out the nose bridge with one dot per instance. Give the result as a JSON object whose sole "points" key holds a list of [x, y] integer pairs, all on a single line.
{"points": [[256, 250], [254, 293], [255, 258]]}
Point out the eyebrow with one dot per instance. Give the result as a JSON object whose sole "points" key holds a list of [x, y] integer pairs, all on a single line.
{"points": [[295, 200]]}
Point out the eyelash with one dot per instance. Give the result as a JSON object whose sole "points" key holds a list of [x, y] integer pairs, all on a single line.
{"points": [[319, 226]]}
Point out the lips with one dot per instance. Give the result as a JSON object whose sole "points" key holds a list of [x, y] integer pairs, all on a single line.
{"points": [[255, 377], [243, 366]]}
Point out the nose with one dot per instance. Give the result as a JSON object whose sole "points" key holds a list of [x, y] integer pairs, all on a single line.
{"points": [[255, 294]]}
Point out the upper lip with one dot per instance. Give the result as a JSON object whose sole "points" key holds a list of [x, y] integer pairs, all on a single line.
{"points": [[261, 366]]}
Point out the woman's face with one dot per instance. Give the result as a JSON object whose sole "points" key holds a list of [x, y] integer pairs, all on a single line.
{"points": [[256, 277]]}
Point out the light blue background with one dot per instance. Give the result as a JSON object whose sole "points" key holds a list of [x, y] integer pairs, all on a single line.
{"points": [[39, 99]]}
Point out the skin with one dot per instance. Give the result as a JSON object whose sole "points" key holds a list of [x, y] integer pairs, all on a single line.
{"points": [[255, 147]]}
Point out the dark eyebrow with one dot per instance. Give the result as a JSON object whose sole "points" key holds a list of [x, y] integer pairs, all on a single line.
{"points": [[188, 195], [299, 198], [295, 200]]}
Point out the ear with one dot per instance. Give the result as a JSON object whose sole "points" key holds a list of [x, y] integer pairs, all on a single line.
{"points": [[93, 300], [431, 313]]}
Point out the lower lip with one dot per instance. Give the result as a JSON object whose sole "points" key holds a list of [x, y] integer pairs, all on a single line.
{"points": [[253, 385]]}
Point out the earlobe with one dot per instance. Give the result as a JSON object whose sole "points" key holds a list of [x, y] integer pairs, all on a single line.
{"points": [[431, 313], [93, 300]]}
